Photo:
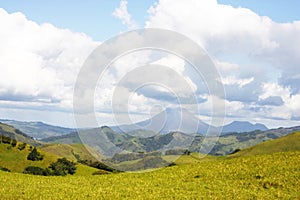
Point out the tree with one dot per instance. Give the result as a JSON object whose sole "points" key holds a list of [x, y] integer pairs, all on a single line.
{"points": [[34, 155], [62, 167]]}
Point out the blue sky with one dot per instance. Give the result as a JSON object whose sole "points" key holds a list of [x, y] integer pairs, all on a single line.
{"points": [[96, 20], [92, 17], [256, 50]]}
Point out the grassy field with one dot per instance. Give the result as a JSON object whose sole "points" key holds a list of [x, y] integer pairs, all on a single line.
{"points": [[271, 176], [290, 142], [70, 151], [16, 160], [269, 170]]}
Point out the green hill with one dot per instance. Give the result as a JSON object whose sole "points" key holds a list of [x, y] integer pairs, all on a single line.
{"points": [[274, 176], [15, 160], [225, 144], [289, 142], [13, 133], [72, 152]]}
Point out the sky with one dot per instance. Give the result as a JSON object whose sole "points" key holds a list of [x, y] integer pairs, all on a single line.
{"points": [[254, 44]]}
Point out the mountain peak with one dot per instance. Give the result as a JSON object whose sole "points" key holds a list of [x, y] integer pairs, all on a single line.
{"points": [[169, 120], [243, 126]]}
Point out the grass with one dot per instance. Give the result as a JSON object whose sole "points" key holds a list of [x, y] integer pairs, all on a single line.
{"points": [[16, 160], [70, 151], [289, 142], [10, 131], [270, 170], [271, 176]]}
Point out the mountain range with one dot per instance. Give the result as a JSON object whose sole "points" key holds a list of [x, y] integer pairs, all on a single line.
{"points": [[181, 120], [169, 120]]}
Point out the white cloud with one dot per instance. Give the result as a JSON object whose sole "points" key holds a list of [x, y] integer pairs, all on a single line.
{"points": [[39, 63], [124, 16], [291, 106], [231, 80], [273, 89], [235, 34], [215, 26], [249, 50]]}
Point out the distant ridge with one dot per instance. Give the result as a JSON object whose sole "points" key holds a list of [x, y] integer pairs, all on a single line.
{"points": [[38, 130], [243, 126], [13, 133]]}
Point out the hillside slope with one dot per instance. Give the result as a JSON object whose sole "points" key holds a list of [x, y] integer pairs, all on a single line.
{"points": [[13, 133], [289, 142], [38, 130], [15, 160], [273, 176], [72, 152]]}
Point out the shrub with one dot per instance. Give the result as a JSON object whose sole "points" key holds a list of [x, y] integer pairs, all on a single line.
{"points": [[22, 146], [6, 140], [14, 143], [34, 155], [63, 167], [4, 169], [37, 171]]}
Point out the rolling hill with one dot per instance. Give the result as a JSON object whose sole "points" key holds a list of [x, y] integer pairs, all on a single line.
{"points": [[73, 152], [274, 176], [289, 142], [13, 133], [38, 130], [15, 160], [225, 144]]}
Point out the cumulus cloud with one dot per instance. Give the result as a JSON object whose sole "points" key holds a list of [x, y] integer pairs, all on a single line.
{"points": [[249, 50], [257, 59], [123, 14], [39, 63]]}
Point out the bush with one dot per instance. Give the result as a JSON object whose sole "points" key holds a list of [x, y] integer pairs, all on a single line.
{"points": [[14, 143], [6, 140], [62, 167], [34, 155], [37, 171], [4, 169], [22, 146]]}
